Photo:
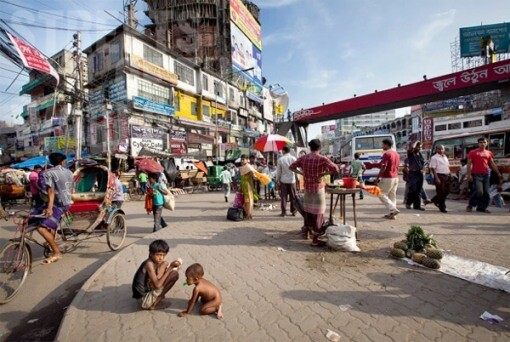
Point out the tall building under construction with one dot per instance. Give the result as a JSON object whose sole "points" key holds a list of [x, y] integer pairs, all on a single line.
{"points": [[201, 30]]}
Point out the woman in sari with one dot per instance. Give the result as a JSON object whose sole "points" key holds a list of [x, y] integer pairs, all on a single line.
{"points": [[247, 187]]}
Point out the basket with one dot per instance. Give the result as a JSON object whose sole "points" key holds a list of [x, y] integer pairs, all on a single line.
{"points": [[350, 183]]}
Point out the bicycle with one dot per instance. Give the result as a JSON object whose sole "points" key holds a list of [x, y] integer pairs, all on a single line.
{"points": [[16, 255], [16, 258], [135, 193]]}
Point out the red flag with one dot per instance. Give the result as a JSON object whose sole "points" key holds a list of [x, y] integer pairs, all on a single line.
{"points": [[32, 58]]}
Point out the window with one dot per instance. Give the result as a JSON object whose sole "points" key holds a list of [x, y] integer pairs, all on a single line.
{"points": [[154, 92], [456, 125], [185, 74], [117, 127], [231, 94], [440, 128], [177, 103], [100, 134], [153, 56], [194, 109], [241, 100], [206, 111], [97, 66], [218, 89], [497, 144], [473, 123], [242, 122], [115, 49], [205, 83]]}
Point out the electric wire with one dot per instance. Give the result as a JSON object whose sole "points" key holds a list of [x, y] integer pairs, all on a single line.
{"points": [[55, 15], [13, 22]]}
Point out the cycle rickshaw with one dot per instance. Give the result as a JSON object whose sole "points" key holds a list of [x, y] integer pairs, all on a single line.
{"points": [[91, 215]]}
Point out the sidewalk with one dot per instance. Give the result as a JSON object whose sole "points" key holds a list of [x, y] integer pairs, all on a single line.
{"points": [[276, 287]]}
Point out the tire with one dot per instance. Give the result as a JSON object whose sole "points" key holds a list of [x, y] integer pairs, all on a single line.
{"points": [[135, 194], [455, 186], [14, 269], [116, 232]]}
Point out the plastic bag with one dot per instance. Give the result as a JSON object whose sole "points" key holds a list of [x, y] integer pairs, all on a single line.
{"points": [[263, 178], [342, 238], [169, 201]]}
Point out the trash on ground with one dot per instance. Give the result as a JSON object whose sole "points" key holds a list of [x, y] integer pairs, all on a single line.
{"points": [[492, 319], [345, 307], [32, 320], [332, 336], [282, 249]]}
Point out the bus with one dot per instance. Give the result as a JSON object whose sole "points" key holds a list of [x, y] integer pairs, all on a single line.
{"points": [[369, 148], [458, 146]]}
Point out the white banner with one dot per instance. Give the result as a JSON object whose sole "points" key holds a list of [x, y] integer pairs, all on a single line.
{"points": [[138, 143]]}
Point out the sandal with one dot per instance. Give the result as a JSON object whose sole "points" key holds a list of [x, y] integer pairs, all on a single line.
{"points": [[51, 259], [318, 244]]}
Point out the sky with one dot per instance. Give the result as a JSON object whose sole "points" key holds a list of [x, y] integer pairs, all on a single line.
{"points": [[319, 51]]}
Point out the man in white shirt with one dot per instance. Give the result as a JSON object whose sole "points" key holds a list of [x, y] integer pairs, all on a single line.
{"points": [[226, 179], [287, 181], [440, 168]]}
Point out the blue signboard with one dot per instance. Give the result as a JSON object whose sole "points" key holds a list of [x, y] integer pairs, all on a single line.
{"points": [[474, 40], [152, 106]]}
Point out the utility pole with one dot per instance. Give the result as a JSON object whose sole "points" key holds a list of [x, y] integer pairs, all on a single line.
{"points": [[109, 107], [78, 86], [129, 13]]}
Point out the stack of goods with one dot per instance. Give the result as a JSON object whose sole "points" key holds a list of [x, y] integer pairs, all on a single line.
{"points": [[420, 247]]}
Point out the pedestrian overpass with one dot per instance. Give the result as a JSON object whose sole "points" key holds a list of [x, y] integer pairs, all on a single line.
{"points": [[476, 80]]}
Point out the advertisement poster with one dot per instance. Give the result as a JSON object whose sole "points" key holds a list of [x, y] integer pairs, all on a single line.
{"points": [[428, 133], [245, 55], [146, 136], [242, 18]]}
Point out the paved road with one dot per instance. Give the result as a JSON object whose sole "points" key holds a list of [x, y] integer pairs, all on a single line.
{"points": [[50, 289], [276, 287]]}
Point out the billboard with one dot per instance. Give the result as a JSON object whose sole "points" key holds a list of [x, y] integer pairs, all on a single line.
{"points": [[242, 18], [474, 40], [245, 55], [142, 136]]}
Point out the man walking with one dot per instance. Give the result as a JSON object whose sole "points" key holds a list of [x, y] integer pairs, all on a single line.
{"points": [[387, 179], [313, 167], [287, 181], [226, 179], [440, 168], [479, 161], [357, 168], [34, 187], [416, 162]]}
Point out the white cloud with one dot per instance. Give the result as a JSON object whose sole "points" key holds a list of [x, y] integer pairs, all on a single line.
{"points": [[274, 3], [428, 33]]}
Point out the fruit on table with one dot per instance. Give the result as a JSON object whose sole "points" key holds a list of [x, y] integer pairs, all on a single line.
{"points": [[397, 252], [431, 263]]}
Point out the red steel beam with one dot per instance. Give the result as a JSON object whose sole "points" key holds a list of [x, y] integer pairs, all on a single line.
{"points": [[476, 80]]}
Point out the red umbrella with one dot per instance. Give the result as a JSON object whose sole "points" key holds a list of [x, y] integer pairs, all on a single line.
{"points": [[149, 166], [271, 143]]}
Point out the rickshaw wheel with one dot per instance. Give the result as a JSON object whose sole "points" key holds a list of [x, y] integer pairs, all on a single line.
{"points": [[116, 232], [47, 252], [15, 265]]}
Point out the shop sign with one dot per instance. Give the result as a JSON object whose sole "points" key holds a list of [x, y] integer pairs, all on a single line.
{"points": [[144, 136], [218, 105], [152, 106], [178, 135], [428, 132], [152, 69], [58, 143]]}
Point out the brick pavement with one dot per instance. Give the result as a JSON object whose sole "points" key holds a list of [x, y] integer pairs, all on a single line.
{"points": [[299, 293]]}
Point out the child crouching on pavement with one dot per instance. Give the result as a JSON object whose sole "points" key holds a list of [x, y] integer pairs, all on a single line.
{"points": [[155, 276], [210, 295]]}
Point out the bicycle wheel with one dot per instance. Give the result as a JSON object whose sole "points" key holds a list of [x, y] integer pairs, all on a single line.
{"points": [[15, 264], [135, 194], [116, 232]]}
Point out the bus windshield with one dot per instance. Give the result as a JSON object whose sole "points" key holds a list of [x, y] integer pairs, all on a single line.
{"points": [[370, 143]]}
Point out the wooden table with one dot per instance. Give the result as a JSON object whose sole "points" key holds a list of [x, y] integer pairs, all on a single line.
{"points": [[341, 196]]}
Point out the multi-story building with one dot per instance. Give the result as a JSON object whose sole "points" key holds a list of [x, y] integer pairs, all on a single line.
{"points": [[7, 142], [46, 126], [161, 100]]}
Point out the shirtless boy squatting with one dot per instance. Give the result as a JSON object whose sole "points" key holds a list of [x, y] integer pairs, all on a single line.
{"points": [[209, 294]]}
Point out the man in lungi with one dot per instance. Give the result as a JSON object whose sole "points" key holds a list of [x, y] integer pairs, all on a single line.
{"points": [[59, 184], [313, 167]]}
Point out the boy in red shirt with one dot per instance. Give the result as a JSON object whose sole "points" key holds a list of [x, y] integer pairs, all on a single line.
{"points": [[387, 179]]}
